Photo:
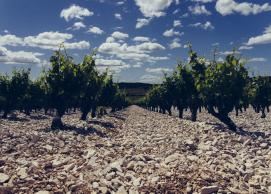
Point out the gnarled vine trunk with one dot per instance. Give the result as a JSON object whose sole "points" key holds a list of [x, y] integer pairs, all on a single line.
{"points": [[224, 118]]}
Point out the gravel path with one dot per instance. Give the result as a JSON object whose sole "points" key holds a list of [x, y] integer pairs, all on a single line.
{"points": [[134, 151]]}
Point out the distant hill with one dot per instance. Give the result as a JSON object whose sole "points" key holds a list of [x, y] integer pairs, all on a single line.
{"points": [[135, 91]]}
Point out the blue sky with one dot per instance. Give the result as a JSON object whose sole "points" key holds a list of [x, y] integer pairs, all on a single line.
{"points": [[137, 40]]}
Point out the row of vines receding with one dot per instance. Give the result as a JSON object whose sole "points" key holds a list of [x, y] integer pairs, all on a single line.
{"points": [[65, 86], [218, 86]]}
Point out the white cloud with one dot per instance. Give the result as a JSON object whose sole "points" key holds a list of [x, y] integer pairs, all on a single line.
{"points": [[150, 46], [203, 1], [175, 44], [44, 40], [11, 40], [186, 46], [138, 52], [95, 30], [110, 40], [267, 29], [158, 70], [261, 39], [120, 2], [77, 26], [177, 23], [154, 8], [19, 57], [141, 39], [119, 35], [244, 47], [227, 7], [229, 52], [207, 25], [138, 65], [185, 15], [264, 38], [118, 16], [140, 22], [171, 32], [176, 11], [75, 12], [215, 44], [150, 78], [113, 65], [259, 59], [199, 10], [52, 40]]}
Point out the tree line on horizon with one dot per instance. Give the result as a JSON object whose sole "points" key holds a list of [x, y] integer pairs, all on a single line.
{"points": [[218, 86], [64, 86]]}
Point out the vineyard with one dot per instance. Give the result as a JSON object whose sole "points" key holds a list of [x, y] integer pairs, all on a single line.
{"points": [[205, 129], [65, 87], [218, 87]]}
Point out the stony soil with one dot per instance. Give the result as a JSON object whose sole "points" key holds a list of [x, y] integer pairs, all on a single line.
{"points": [[134, 151]]}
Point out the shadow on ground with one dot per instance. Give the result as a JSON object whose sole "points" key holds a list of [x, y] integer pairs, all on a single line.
{"points": [[79, 130], [18, 119], [102, 124], [118, 116], [38, 117]]}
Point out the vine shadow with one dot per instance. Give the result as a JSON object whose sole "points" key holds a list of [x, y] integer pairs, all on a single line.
{"points": [[79, 130], [102, 124]]}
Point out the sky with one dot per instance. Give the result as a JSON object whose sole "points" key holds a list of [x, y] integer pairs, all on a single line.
{"points": [[137, 40]]}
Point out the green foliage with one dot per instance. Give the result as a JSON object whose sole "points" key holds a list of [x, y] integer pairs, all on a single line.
{"points": [[14, 90], [62, 80], [220, 87], [184, 88], [64, 86], [260, 94], [224, 84], [90, 86]]}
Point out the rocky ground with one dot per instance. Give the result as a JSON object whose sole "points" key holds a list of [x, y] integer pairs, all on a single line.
{"points": [[134, 151]]}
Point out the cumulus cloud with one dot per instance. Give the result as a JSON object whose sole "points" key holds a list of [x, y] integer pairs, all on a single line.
{"points": [[172, 32], [118, 16], [176, 11], [136, 53], [158, 70], [95, 30], [244, 47], [19, 57], [264, 38], [154, 8], [261, 39], [52, 40], [11, 40], [259, 59], [203, 1], [140, 22], [120, 2], [150, 46], [267, 29], [199, 10], [177, 23], [175, 44], [119, 35], [113, 65], [75, 12], [77, 26], [207, 25], [227, 7], [141, 39], [229, 52], [150, 78], [44, 40]]}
